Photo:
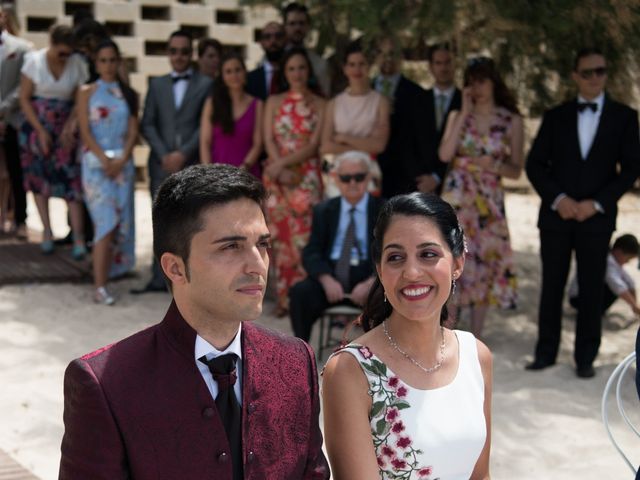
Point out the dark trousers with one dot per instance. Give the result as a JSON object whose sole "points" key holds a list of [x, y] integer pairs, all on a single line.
{"points": [[12, 154], [591, 257], [156, 176], [307, 301], [608, 297]]}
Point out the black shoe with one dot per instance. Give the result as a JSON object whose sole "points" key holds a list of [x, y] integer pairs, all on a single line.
{"points": [[538, 365], [148, 288], [586, 371]]}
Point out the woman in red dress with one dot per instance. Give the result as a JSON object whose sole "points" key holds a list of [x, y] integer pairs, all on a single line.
{"points": [[293, 122]]}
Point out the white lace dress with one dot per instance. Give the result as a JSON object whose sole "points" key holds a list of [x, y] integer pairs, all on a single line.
{"points": [[435, 434]]}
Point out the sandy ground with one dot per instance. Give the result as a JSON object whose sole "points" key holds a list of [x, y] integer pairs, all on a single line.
{"points": [[545, 425]]}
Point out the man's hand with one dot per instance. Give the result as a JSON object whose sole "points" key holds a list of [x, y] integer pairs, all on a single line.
{"points": [[567, 208], [426, 183], [332, 288], [173, 162], [360, 292], [586, 210]]}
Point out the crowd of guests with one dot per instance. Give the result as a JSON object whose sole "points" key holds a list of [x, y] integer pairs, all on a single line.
{"points": [[70, 120]]}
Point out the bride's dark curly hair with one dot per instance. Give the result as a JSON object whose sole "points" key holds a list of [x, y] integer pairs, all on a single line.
{"points": [[416, 204]]}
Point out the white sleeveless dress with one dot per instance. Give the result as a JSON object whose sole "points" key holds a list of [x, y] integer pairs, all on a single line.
{"points": [[433, 434]]}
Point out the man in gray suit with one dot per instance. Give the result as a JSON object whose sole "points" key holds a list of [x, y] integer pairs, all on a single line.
{"points": [[12, 51], [171, 124]]}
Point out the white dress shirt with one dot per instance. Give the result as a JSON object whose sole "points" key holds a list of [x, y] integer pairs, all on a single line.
{"points": [[268, 75], [588, 122], [616, 278], [180, 87], [360, 218], [204, 348], [448, 94]]}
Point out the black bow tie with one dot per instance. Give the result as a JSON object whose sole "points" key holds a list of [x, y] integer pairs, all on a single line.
{"points": [[186, 76], [593, 106]]}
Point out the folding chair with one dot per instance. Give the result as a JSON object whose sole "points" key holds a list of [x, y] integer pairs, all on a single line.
{"points": [[617, 378], [328, 322]]}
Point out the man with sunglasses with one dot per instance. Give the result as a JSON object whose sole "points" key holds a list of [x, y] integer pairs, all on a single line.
{"points": [[171, 124], [585, 157], [337, 257], [266, 79]]}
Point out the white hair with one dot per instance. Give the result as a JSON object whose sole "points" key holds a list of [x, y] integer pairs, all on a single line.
{"points": [[352, 155]]}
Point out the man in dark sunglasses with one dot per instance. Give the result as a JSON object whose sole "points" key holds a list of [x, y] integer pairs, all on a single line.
{"points": [[171, 124], [337, 257], [585, 157], [266, 80]]}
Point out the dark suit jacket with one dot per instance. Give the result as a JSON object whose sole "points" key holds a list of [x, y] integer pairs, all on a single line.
{"points": [[316, 255], [432, 163], [257, 83], [406, 153], [167, 129], [140, 409], [555, 164]]}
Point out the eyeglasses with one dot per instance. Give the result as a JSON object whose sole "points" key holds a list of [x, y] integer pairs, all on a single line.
{"points": [[588, 73], [358, 177], [272, 36], [63, 54], [180, 51]]}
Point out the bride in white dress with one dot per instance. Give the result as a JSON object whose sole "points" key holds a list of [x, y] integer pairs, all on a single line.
{"points": [[410, 399]]}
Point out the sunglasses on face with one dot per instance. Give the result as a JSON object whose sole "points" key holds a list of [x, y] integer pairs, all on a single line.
{"points": [[358, 177], [64, 54], [472, 62], [272, 36], [180, 51], [588, 73]]}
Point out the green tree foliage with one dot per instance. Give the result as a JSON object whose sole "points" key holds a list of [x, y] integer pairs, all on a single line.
{"points": [[532, 41]]}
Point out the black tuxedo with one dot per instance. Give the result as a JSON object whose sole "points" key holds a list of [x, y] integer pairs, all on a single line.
{"points": [[307, 298], [555, 166]]}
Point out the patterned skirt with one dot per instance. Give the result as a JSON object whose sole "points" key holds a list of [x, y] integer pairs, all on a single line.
{"points": [[56, 174]]}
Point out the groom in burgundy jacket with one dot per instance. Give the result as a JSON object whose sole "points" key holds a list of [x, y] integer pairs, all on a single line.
{"points": [[205, 394]]}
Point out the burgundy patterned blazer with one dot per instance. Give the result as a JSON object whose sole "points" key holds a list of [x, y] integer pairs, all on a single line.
{"points": [[139, 409]]}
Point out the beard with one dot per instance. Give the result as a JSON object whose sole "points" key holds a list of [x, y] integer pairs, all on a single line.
{"points": [[274, 56]]}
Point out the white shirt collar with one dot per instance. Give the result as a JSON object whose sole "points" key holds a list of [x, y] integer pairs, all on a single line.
{"points": [[268, 67], [447, 93], [203, 347], [188, 71], [599, 100], [360, 207]]}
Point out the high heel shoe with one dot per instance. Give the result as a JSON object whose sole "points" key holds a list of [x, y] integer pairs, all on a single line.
{"points": [[103, 297], [46, 247], [78, 252]]}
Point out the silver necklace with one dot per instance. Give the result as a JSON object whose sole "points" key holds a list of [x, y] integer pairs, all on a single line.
{"points": [[410, 358]]}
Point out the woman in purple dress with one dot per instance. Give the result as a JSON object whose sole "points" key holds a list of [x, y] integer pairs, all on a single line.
{"points": [[230, 127]]}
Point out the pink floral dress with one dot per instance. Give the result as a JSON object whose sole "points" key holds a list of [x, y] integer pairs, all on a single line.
{"points": [[289, 207], [478, 197], [435, 434]]}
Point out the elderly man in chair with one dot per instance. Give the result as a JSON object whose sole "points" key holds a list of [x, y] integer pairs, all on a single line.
{"points": [[337, 257]]}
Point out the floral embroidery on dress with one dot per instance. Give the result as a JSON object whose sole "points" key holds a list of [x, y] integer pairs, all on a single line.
{"points": [[396, 455]]}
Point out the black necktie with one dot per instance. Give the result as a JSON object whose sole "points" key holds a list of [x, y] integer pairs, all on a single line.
{"points": [[582, 106], [223, 369], [343, 265], [177, 78]]}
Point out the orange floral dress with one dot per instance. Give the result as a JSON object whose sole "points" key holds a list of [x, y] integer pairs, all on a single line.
{"points": [[289, 207]]}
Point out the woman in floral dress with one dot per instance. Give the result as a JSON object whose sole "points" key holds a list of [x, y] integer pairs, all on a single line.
{"points": [[107, 115], [483, 142], [50, 79], [410, 399], [293, 122]]}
